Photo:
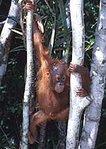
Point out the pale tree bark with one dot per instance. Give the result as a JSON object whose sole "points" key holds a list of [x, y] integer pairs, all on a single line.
{"points": [[77, 104], [98, 73], [29, 79], [10, 22]]}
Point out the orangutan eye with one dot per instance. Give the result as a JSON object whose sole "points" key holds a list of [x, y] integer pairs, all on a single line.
{"points": [[64, 78], [57, 78]]}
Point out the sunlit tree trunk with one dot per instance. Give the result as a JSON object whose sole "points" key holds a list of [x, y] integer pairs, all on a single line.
{"points": [[10, 22], [98, 73], [77, 104], [29, 79]]}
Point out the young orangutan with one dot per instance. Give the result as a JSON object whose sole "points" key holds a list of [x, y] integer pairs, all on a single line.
{"points": [[52, 85]]}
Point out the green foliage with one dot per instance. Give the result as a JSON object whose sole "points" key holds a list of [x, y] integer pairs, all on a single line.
{"points": [[91, 9], [49, 12], [11, 95]]}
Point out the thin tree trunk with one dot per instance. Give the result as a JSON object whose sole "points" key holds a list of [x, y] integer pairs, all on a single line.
{"points": [[29, 79], [11, 21], [77, 104], [98, 73]]}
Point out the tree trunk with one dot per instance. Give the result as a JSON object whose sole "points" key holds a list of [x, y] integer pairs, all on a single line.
{"points": [[98, 72], [77, 104], [10, 22], [29, 79]]}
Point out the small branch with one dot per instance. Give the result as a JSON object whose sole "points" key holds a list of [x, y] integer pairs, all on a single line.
{"points": [[7, 139], [49, 7], [1, 23]]}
